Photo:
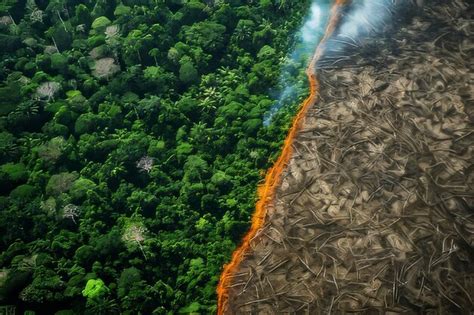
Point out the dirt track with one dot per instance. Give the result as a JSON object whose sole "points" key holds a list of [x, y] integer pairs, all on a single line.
{"points": [[375, 209]]}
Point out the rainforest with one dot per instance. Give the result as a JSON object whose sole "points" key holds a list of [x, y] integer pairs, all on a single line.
{"points": [[236, 157]]}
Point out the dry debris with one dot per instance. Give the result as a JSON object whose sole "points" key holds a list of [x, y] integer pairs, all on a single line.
{"points": [[375, 210]]}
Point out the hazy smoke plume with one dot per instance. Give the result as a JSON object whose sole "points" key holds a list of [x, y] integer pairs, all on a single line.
{"points": [[291, 83], [366, 17], [360, 20]]}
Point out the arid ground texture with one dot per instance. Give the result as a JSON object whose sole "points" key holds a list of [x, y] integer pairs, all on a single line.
{"points": [[373, 212]]}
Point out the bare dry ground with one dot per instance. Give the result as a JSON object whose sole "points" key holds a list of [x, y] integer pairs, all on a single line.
{"points": [[374, 214]]}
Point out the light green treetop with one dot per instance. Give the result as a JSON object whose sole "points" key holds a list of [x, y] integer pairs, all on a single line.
{"points": [[95, 288]]}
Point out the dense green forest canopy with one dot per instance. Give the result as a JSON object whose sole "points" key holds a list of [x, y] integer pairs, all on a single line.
{"points": [[131, 146]]}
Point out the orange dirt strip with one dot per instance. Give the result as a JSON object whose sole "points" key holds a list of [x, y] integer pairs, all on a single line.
{"points": [[266, 191]]}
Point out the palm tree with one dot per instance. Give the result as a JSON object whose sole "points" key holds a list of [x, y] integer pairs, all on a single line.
{"points": [[154, 53]]}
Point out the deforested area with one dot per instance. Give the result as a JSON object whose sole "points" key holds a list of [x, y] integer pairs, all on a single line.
{"points": [[374, 212]]}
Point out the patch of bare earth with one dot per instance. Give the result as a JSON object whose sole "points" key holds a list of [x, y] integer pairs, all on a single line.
{"points": [[375, 210]]}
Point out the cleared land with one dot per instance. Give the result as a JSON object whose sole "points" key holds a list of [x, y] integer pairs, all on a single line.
{"points": [[375, 209]]}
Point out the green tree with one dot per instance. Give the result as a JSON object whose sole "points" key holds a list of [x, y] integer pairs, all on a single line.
{"points": [[61, 37], [46, 286], [188, 73], [157, 79], [86, 123], [59, 63], [59, 183], [100, 23], [81, 187], [95, 288], [23, 193], [13, 173], [209, 36], [6, 5], [83, 15]]}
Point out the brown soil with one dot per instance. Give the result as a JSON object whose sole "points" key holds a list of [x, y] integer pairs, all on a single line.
{"points": [[375, 210]]}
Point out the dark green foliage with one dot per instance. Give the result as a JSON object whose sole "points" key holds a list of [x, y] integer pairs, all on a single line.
{"points": [[23, 193], [46, 286], [131, 145], [9, 96], [9, 43], [188, 72], [86, 123], [59, 63], [81, 188], [13, 173], [6, 5], [60, 37], [209, 36], [60, 183]]}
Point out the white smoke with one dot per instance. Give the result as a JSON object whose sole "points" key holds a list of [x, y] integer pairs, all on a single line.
{"points": [[364, 18], [309, 31], [361, 21], [367, 16], [291, 78]]}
